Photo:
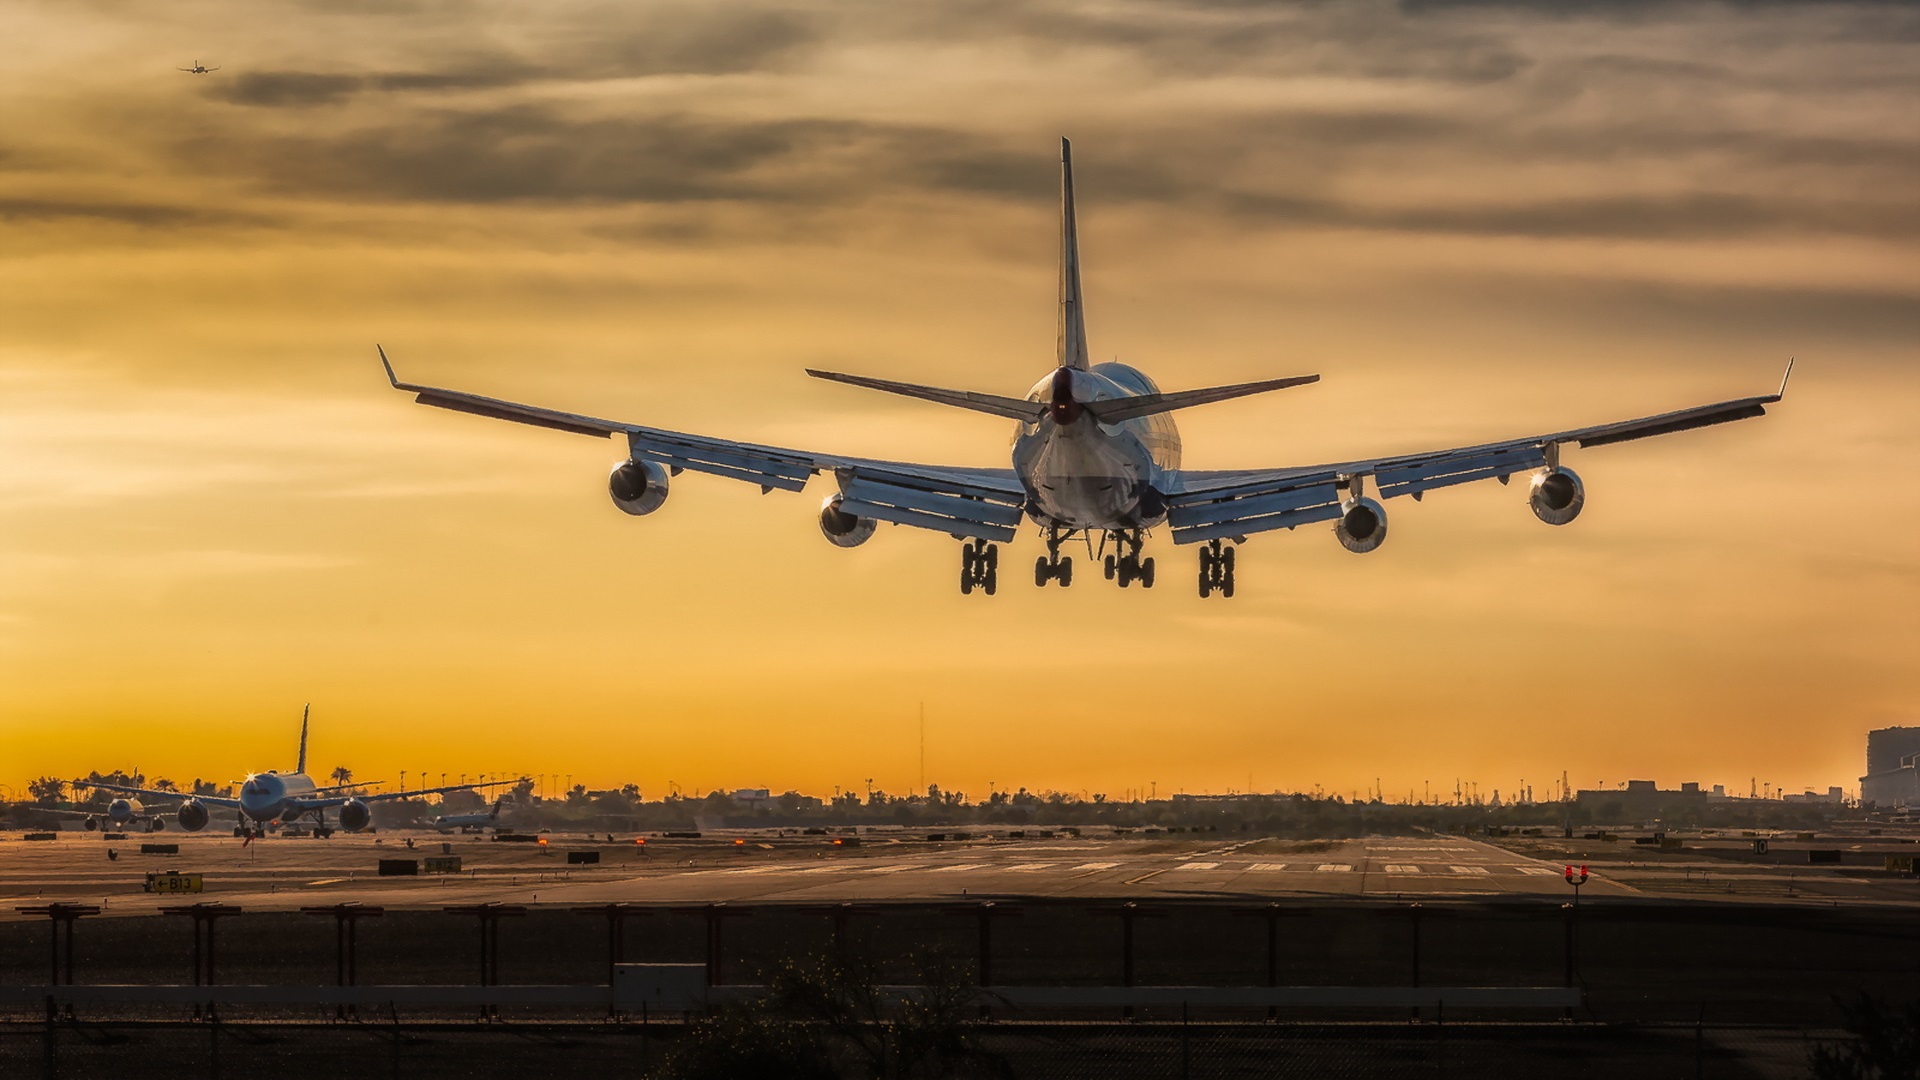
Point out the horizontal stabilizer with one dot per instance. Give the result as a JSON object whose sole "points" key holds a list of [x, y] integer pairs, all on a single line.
{"points": [[1113, 412], [1011, 408]]}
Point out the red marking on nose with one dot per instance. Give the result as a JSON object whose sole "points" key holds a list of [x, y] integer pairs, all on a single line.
{"points": [[1063, 408]]}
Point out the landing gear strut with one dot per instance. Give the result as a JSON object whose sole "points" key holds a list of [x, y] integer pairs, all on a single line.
{"points": [[1054, 566], [1216, 569], [979, 567], [1125, 565]]}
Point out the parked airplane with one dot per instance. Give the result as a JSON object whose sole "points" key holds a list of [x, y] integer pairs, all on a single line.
{"points": [[282, 798], [1094, 452], [120, 814], [463, 822]]}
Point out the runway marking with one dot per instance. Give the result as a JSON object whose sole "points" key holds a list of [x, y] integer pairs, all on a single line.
{"points": [[955, 867], [1398, 868], [328, 881], [1268, 866], [1096, 866], [1145, 876], [1198, 866], [1538, 871], [1333, 868], [755, 870], [1031, 866], [1469, 869], [892, 869]]}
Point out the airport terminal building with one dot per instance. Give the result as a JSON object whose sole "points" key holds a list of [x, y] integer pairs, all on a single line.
{"points": [[1893, 767]]}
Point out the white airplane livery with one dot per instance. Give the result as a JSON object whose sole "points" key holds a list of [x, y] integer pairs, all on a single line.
{"points": [[280, 798], [1095, 451]]}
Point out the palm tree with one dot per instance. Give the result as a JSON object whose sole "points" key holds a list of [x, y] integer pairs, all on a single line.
{"points": [[342, 776]]}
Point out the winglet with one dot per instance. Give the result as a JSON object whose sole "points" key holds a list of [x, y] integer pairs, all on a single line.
{"points": [[1784, 377], [388, 364]]}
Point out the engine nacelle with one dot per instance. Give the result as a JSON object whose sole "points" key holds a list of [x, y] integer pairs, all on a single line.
{"points": [[354, 815], [638, 486], [92, 823], [1557, 496], [843, 529], [1363, 527], [156, 824], [192, 815]]}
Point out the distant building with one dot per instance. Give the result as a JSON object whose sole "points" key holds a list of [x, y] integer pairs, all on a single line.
{"points": [[1892, 779], [754, 797], [1641, 798], [1834, 797]]}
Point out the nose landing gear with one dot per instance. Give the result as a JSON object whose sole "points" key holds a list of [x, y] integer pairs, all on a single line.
{"points": [[1216, 569], [1126, 566], [979, 567], [1054, 566]]}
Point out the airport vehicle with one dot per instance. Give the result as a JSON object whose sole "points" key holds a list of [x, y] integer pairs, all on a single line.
{"points": [[1094, 451], [463, 822], [199, 69], [283, 798]]}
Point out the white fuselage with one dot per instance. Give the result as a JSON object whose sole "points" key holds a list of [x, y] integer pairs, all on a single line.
{"points": [[1082, 474], [265, 796]]}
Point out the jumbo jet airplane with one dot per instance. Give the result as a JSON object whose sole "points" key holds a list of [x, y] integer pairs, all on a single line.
{"points": [[1094, 451], [281, 798]]}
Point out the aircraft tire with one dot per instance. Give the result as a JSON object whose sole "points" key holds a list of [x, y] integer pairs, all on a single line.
{"points": [[1066, 572], [1040, 574], [1146, 573]]}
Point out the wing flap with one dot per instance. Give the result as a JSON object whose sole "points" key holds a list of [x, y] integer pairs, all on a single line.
{"points": [[1187, 514], [1290, 519], [735, 461]]}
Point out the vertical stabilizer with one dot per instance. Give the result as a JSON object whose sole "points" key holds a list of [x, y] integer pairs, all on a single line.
{"points": [[1073, 320], [302, 766]]}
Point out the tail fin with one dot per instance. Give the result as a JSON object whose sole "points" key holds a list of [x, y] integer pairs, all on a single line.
{"points": [[302, 766], [1073, 319]]}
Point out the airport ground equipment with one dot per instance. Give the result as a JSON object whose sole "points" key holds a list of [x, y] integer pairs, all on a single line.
{"points": [[1094, 451]]}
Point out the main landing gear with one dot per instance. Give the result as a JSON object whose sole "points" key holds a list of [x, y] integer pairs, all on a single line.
{"points": [[979, 567], [1054, 566], [1216, 569], [1125, 565]]}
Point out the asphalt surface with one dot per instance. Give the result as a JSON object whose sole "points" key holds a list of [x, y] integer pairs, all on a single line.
{"points": [[290, 872]]}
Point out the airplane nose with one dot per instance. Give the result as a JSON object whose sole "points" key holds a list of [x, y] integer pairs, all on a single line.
{"points": [[1062, 406]]}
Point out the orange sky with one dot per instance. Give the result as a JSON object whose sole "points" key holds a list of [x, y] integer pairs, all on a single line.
{"points": [[1476, 221]]}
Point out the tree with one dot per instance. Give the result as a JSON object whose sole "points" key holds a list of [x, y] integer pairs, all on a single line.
{"points": [[164, 784], [48, 790], [342, 776]]}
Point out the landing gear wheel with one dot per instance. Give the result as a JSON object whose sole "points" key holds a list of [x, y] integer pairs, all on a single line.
{"points": [[979, 566], [1109, 568], [1216, 569], [1146, 573], [1040, 572], [1065, 572]]}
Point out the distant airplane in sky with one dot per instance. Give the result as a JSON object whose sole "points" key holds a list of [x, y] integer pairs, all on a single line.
{"points": [[281, 798], [199, 69], [1094, 452]]}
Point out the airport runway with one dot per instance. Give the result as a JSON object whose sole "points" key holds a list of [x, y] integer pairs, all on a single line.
{"points": [[289, 872]]}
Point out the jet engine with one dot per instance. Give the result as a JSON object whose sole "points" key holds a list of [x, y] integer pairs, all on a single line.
{"points": [[1557, 496], [354, 815], [92, 823], [1363, 527], [638, 486], [156, 824], [192, 815], [843, 529]]}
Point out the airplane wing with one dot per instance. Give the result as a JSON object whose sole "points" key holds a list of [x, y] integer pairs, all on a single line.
{"points": [[1236, 503], [337, 800], [210, 800], [983, 504]]}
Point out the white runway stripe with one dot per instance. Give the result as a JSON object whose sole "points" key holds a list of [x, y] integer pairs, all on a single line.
{"points": [[1198, 866], [1096, 866], [1398, 868], [955, 867], [1268, 866], [1539, 871], [1031, 866], [892, 869], [1469, 869], [1333, 868]]}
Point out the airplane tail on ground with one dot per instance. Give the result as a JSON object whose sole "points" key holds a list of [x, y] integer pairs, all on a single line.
{"points": [[302, 766]]}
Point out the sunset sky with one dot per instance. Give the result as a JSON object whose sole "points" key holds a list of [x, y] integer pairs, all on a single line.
{"points": [[1475, 220]]}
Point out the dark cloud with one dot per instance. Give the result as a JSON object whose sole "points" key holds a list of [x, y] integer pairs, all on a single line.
{"points": [[145, 215], [689, 42]]}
